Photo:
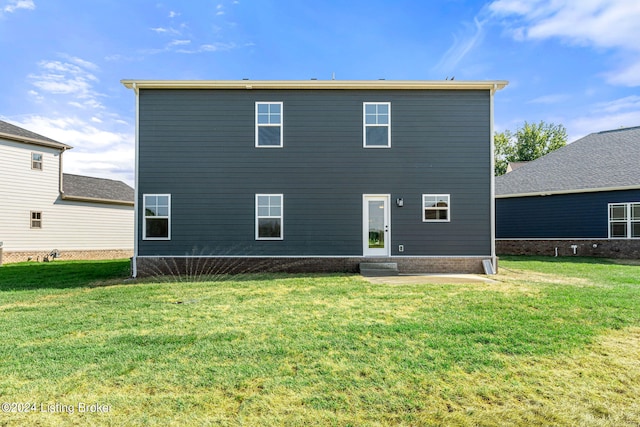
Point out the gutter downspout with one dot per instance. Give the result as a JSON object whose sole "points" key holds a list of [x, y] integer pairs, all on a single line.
{"points": [[60, 174], [494, 259], [136, 226]]}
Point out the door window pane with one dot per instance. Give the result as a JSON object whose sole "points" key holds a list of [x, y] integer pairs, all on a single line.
{"points": [[376, 224]]}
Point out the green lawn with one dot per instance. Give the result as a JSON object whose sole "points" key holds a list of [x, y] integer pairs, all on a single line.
{"points": [[555, 341]]}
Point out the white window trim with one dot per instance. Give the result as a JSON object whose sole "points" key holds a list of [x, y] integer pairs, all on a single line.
{"points": [[281, 216], [280, 125], [144, 217], [41, 162], [629, 221], [448, 207], [365, 125], [31, 220]]}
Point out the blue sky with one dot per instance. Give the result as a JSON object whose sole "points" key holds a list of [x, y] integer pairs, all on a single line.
{"points": [[570, 62]]}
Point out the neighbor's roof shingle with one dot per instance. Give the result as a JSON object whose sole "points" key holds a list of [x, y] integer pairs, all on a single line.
{"points": [[99, 189], [603, 160], [23, 135]]}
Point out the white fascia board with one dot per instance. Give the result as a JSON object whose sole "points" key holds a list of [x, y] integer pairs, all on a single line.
{"points": [[33, 141], [573, 191], [492, 85]]}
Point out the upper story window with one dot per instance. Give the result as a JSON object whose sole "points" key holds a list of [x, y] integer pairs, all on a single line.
{"points": [[157, 217], [36, 219], [268, 216], [36, 161], [436, 208], [377, 125], [624, 220], [269, 124]]}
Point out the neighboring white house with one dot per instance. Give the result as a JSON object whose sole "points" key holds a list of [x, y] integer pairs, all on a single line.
{"points": [[42, 209]]}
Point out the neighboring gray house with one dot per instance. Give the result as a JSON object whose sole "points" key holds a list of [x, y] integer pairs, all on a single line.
{"points": [[313, 175], [583, 199], [44, 209]]}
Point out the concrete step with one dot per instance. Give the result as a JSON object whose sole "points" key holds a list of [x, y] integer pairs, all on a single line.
{"points": [[372, 269]]}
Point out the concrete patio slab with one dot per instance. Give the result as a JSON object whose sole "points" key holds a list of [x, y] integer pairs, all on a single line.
{"points": [[415, 279]]}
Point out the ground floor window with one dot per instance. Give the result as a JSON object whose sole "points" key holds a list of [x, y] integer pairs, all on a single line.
{"points": [[36, 219], [436, 208], [624, 220], [269, 217], [157, 217]]}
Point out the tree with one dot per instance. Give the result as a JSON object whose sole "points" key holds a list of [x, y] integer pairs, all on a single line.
{"points": [[529, 142], [503, 150]]}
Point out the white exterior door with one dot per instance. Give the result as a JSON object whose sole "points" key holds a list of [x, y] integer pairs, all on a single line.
{"points": [[376, 236]]}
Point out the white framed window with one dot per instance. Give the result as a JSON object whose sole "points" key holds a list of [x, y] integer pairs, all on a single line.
{"points": [[624, 220], [269, 121], [36, 161], [436, 208], [376, 125], [157, 217], [36, 219], [269, 217]]}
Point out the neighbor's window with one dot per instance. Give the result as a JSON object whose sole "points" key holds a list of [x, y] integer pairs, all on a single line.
{"points": [[36, 219], [624, 220], [157, 216], [268, 216], [436, 207], [269, 124], [36, 161], [377, 125]]}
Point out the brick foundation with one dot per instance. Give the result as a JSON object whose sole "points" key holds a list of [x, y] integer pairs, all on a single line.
{"points": [[196, 266], [10, 257], [603, 248]]}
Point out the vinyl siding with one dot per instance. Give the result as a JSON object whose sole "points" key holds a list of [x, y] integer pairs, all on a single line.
{"points": [[65, 225], [579, 215], [198, 145]]}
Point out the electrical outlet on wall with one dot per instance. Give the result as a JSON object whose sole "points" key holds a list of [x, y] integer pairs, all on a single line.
{"points": [[400, 248]]}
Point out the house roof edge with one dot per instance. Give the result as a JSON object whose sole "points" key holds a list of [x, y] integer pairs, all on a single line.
{"points": [[35, 141], [493, 85], [96, 200], [571, 191]]}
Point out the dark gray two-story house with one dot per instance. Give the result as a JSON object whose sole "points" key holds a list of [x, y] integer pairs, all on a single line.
{"points": [[313, 175]]}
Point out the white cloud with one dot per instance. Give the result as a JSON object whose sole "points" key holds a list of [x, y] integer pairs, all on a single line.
{"points": [[628, 75], [67, 78], [622, 104], [602, 24], [163, 30], [550, 99], [13, 5], [622, 112], [81, 62], [215, 47], [463, 43], [173, 14], [103, 142], [178, 43], [97, 151]]}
